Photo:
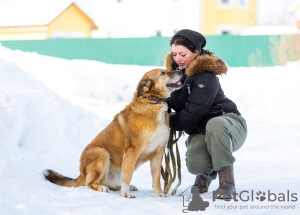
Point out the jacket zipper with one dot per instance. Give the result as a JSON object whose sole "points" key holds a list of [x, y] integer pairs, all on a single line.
{"points": [[188, 88]]}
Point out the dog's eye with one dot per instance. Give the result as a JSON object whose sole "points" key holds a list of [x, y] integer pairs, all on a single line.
{"points": [[163, 73]]}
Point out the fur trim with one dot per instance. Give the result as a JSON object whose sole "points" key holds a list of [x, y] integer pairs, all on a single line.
{"points": [[210, 63], [168, 61]]}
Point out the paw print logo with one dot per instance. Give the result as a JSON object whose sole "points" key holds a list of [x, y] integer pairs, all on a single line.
{"points": [[261, 196]]}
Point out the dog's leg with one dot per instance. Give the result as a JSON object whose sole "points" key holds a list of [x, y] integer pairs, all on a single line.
{"points": [[155, 164], [129, 161], [96, 171]]}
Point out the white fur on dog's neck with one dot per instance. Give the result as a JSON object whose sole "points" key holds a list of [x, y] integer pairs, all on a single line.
{"points": [[161, 134]]}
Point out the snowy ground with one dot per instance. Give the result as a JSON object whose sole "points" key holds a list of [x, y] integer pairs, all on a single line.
{"points": [[51, 108]]}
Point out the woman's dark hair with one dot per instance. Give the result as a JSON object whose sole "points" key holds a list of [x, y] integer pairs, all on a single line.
{"points": [[181, 40]]}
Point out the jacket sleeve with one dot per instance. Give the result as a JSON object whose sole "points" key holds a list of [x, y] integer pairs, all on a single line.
{"points": [[203, 91], [178, 99]]}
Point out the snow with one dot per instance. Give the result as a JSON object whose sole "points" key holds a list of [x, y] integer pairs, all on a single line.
{"points": [[51, 108]]}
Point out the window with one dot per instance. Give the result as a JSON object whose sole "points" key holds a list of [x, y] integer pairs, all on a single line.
{"points": [[59, 34], [225, 29], [225, 32], [241, 28], [77, 34], [225, 3], [243, 4]]}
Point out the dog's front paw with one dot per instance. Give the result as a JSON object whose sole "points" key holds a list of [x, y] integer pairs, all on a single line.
{"points": [[128, 195], [160, 195], [125, 188], [133, 188]]}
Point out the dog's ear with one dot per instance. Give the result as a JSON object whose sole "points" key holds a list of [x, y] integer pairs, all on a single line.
{"points": [[144, 87]]}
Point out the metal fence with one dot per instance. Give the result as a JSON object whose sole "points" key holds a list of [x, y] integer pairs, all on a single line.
{"points": [[235, 50]]}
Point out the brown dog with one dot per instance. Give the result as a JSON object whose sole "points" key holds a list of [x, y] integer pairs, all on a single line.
{"points": [[137, 134]]}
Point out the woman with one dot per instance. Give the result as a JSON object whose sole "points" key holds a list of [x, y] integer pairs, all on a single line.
{"points": [[213, 122]]}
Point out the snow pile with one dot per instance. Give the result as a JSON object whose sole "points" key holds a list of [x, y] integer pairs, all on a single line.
{"points": [[96, 86], [51, 108]]}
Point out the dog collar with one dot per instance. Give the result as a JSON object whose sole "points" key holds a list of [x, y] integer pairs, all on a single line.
{"points": [[155, 99]]}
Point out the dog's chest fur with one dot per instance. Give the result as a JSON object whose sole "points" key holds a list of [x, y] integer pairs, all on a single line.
{"points": [[161, 134]]}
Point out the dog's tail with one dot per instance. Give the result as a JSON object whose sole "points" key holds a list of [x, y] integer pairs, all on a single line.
{"points": [[61, 180]]}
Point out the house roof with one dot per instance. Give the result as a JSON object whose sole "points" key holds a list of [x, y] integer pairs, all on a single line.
{"points": [[33, 13]]}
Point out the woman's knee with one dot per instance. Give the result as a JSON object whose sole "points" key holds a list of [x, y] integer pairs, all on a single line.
{"points": [[194, 167], [198, 163], [215, 126], [198, 159], [204, 168]]}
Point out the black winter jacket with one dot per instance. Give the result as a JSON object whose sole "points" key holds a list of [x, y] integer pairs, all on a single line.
{"points": [[201, 96]]}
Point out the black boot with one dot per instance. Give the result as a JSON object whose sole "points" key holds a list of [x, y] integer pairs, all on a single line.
{"points": [[202, 183], [226, 183]]}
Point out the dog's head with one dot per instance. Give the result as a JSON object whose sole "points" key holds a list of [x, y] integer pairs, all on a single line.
{"points": [[159, 83]]}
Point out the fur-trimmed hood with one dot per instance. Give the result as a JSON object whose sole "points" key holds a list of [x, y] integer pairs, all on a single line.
{"points": [[202, 63]]}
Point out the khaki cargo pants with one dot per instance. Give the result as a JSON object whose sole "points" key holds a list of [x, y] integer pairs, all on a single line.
{"points": [[206, 154]]}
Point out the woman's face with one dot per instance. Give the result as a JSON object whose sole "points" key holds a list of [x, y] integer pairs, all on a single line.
{"points": [[182, 55]]}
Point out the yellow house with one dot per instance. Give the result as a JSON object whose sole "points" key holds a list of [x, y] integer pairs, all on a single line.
{"points": [[227, 16], [33, 20]]}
